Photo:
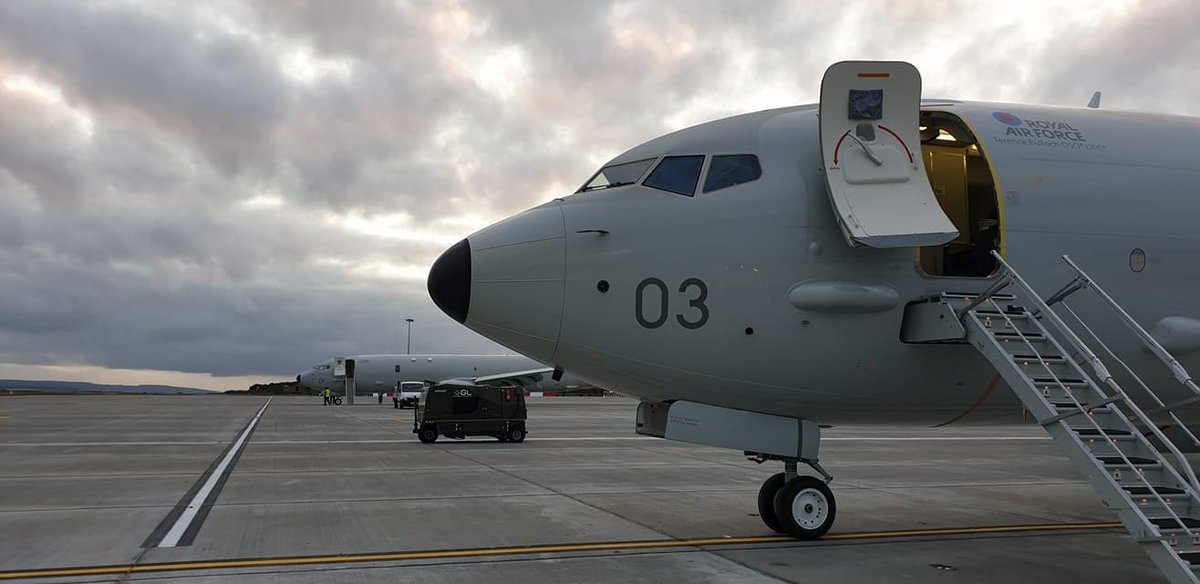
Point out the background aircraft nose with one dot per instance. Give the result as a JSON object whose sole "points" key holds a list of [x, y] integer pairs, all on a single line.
{"points": [[506, 281], [450, 281]]}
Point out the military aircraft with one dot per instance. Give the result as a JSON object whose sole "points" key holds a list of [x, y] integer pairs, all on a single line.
{"points": [[878, 258], [381, 373]]}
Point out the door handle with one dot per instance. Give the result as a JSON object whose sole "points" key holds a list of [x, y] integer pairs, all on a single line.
{"points": [[596, 231]]}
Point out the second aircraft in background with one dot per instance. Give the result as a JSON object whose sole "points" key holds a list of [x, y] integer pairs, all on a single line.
{"points": [[381, 373]]}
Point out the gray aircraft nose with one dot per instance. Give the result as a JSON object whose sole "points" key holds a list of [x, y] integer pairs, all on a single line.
{"points": [[505, 282]]}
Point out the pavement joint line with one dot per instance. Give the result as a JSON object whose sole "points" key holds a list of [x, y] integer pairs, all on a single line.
{"points": [[844, 486], [531, 439], [118, 569], [185, 525]]}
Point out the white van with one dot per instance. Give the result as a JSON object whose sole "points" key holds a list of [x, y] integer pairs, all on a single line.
{"points": [[409, 392]]}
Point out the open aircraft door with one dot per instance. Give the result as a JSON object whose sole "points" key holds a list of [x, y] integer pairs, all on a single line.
{"points": [[870, 142], [343, 368]]}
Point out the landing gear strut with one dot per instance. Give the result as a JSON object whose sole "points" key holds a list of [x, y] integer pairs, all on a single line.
{"points": [[800, 506]]}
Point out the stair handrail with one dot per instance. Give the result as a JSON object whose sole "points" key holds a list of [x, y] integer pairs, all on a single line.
{"points": [[1101, 372], [1162, 407], [1061, 419], [1181, 374]]}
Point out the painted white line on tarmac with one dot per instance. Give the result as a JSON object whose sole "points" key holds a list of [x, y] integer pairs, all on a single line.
{"points": [[171, 539]]}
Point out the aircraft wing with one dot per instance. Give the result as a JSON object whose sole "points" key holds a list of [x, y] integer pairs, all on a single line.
{"points": [[452, 380], [521, 378]]}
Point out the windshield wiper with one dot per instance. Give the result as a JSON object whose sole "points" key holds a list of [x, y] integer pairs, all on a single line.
{"points": [[608, 186]]}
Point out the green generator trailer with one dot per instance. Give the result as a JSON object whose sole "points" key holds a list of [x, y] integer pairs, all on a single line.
{"points": [[459, 410]]}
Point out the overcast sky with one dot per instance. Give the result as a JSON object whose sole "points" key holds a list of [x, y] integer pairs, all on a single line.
{"points": [[216, 193]]}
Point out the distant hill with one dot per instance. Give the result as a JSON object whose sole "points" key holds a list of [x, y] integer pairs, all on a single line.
{"points": [[24, 386], [276, 388]]}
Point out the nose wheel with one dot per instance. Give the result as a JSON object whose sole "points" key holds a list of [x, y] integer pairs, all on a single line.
{"points": [[801, 506], [766, 502], [805, 507]]}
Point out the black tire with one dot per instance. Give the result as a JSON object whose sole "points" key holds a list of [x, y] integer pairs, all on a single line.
{"points": [[337, 401], [805, 507], [766, 502], [516, 434], [428, 434]]}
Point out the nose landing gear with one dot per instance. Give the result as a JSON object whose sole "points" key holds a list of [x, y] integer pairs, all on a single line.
{"points": [[800, 506]]}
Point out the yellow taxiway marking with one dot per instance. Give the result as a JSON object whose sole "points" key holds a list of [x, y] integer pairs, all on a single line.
{"points": [[537, 549]]}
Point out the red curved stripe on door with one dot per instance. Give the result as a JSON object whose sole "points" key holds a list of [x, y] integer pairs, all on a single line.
{"points": [[839, 147], [897, 137]]}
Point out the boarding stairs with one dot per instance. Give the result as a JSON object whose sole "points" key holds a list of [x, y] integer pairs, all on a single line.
{"points": [[1134, 466]]}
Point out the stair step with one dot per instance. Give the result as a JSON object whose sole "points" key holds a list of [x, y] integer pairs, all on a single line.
{"points": [[997, 315], [1105, 431], [973, 295], [1050, 383], [1033, 359], [1014, 336], [1160, 490], [1171, 523], [1135, 460], [1070, 406], [1190, 557]]}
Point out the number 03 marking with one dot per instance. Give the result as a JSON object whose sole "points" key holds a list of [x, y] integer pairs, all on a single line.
{"points": [[640, 300], [689, 286], [697, 302]]}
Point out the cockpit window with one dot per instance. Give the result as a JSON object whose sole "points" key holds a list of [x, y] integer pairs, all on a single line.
{"points": [[730, 170], [677, 174], [617, 175]]}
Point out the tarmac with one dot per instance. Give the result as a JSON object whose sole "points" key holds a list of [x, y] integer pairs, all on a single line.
{"points": [[217, 488]]}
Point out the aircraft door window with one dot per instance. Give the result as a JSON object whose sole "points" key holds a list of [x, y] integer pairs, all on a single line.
{"points": [[676, 174], [617, 175], [729, 170]]}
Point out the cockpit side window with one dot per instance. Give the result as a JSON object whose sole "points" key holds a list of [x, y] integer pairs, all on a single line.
{"points": [[617, 175], [676, 174], [729, 170]]}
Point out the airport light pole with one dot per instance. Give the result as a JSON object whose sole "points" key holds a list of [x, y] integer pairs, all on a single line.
{"points": [[409, 321]]}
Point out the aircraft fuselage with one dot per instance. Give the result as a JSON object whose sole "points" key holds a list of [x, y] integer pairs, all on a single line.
{"points": [[749, 297]]}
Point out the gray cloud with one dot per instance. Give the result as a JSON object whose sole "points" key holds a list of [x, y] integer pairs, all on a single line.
{"points": [[205, 85], [1143, 59], [41, 150]]}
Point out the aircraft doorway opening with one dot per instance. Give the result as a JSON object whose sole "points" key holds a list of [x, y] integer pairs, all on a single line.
{"points": [[966, 189]]}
